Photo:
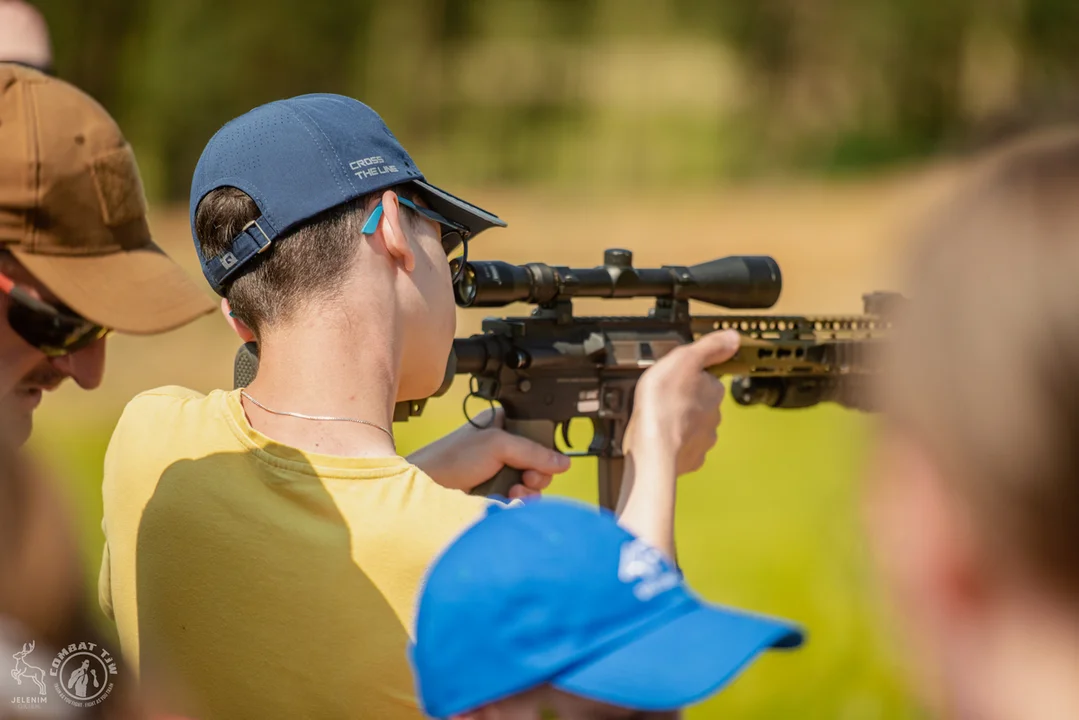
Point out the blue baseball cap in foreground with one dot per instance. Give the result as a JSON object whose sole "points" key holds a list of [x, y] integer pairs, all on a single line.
{"points": [[557, 592], [299, 157]]}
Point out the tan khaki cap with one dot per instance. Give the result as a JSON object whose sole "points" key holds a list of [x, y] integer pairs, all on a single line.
{"points": [[73, 211]]}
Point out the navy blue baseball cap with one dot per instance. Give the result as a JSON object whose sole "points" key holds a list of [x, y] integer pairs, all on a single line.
{"points": [[299, 157], [557, 592]]}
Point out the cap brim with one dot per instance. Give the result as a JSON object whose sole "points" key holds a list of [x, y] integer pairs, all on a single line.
{"points": [[140, 292], [454, 208], [680, 663]]}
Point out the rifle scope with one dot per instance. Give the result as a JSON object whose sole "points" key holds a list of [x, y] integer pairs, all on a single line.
{"points": [[738, 281]]}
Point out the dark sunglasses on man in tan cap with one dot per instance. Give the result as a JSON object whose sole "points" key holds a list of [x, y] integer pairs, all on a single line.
{"points": [[76, 257]]}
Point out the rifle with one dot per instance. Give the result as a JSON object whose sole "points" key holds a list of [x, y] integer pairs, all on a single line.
{"points": [[551, 366]]}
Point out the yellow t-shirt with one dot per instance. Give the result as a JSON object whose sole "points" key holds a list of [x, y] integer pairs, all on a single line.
{"points": [[264, 580]]}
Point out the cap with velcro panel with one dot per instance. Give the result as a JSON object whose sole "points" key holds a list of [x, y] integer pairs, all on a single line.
{"points": [[73, 211], [299, 157]]}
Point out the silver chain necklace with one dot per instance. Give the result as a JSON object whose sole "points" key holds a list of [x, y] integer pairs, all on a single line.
{"points": [[328, 418]]}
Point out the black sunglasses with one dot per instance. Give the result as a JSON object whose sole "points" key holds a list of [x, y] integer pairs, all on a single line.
{"points": [[53, 331]]}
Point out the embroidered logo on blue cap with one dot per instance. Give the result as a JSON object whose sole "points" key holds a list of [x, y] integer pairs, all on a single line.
{"points": [[371, 167]]}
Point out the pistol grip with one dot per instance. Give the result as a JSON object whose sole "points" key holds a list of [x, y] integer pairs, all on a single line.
{"points": [[539, 431]]}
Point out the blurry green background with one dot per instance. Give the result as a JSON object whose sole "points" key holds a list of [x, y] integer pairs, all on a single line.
{"points": [[816, 131], [614, 93]]}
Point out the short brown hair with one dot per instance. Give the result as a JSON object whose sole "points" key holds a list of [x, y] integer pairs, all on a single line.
{"points": [[986, 369], [308, 263]]}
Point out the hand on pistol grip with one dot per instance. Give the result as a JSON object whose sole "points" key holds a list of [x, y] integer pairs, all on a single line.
{"points": [[540, 432], [512, 458]]}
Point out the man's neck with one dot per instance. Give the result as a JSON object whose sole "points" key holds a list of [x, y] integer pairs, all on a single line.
{"points": [[327, 368]]}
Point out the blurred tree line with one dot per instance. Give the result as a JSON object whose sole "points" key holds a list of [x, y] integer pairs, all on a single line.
{"points": [[605, 93]]}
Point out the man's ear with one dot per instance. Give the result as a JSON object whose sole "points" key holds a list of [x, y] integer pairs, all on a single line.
{"points": [[393, 233], [924, 536], [965, 575], [238, 326]]}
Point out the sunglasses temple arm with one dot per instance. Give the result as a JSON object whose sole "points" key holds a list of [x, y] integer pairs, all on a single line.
{"points": [[371, 225], [20, 295]]}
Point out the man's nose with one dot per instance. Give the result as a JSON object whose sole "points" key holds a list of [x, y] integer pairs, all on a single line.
{"points": [[86, 367]]}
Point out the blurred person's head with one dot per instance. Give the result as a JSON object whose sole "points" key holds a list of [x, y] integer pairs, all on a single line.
{"points": [[41, 583], [44, 600], [352, 237], [24, 36], [76, 256], [587, 622], [974, 499]]}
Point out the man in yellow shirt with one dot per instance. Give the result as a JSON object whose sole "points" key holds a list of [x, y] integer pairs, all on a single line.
{"points": [[265, 546]]}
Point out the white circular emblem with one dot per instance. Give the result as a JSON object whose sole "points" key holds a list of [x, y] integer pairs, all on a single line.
{"points": [[84, 673]]}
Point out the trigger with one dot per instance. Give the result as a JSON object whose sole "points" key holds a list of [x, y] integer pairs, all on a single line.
{"points": [[565, 433]]}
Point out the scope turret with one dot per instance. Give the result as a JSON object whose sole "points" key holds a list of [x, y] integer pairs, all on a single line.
{"points": [[737, 282]]}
